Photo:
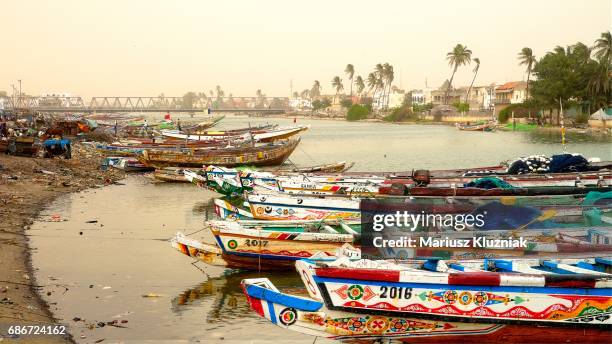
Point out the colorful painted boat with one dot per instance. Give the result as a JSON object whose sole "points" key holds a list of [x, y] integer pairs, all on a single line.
{"points": [[171, 175], [229, 211], [488, 126], [575, 292], [258, 245], [270, 154], [312, 317], [287, 207], [512, 191], [265, 135], [234, 182], [337, 167], [130, 164]]}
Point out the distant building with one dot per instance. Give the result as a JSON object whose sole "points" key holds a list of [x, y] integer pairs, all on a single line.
{"points": [[300, 103], [512, 92], [396, 98], [481, 97], [421, 96], [454, 95]]}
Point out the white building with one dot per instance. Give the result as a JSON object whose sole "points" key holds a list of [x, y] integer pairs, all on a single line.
{"points": [[300, 103], [422, 96]]}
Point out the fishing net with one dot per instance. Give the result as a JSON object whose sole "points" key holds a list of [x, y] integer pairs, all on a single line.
{"points": [[489, 183]]}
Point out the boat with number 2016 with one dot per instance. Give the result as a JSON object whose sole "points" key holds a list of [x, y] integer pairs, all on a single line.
{"points": [[570, 302]]}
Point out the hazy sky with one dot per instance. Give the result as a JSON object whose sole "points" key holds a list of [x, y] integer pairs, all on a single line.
{"points": [[143, 48]]}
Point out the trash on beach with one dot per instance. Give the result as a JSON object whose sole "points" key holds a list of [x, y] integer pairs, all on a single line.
{"points": [[152, 295], [92, 221]]}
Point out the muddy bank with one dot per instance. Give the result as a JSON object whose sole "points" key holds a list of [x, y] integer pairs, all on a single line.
{"points": [[27, 185]]}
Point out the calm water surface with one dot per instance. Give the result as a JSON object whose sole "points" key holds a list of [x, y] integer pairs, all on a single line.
{"points": [[99, 271]]}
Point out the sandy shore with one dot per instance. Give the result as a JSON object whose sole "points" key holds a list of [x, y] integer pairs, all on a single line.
{"points": [[27, 185]]}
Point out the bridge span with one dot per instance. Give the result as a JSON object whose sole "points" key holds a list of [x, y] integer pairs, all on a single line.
{"points": [[60, 104]]}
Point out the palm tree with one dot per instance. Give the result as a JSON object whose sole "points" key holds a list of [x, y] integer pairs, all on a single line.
{"points": [[599, 87], [220, 93], [304, 94], [296, 94], [337, 84], [260, 97], [475, 70], [389, 75], [603, 48], [360, 85], [350, 72], [527, 58], [459, 56], [372, 81], [582, 51], [315, 91]]}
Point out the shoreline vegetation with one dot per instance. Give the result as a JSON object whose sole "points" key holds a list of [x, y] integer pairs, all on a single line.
{"points": [[27, 187], [522, 127], [564, 87]]}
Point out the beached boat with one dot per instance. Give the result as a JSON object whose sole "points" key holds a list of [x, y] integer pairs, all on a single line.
{"points": [[287, 207], [312, 317], [601, 179], [235, 182], [575, 292], [258, 245], [337, 167], [171, 175], [265, 135], [270, 154], [130, 164], [229, 211], [487, 126], [279, 206], [510, 191]]}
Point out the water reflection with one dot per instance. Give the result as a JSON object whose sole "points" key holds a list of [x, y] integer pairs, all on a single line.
{"points": [[205, 209], [554, 136], [225, 293]]}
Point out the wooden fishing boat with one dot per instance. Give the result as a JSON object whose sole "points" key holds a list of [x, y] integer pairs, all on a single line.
{"points": [[270, 154], [135, 148], [601, 179], [286, 207], [265, 135], [130, 164], [488, 126], [570, 292], [528, 191], [313, 317], [171, 175], [257, 245], [439, 243], [228, 211], [233, 182], [337, 167], [279, 206]]}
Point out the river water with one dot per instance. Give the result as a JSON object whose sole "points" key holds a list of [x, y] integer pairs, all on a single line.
{"points": [[111, 246]]}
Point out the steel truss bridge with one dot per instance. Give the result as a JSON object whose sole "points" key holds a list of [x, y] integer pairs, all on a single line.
{"points": [[144, 104]]}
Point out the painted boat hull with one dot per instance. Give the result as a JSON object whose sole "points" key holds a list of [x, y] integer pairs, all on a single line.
{"points": [[309, 317], [268, 155], [526, 295]]}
